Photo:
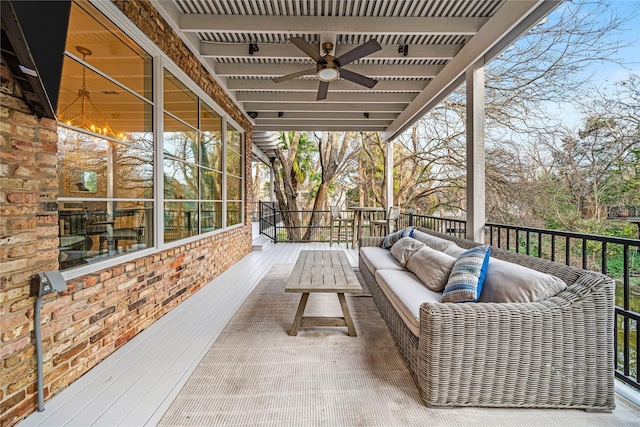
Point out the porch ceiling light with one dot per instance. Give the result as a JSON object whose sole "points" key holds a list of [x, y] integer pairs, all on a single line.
{"points": [[328, 72]]}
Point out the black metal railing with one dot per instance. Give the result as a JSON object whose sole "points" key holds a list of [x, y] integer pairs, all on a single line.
{"points": [[452, 227], [616, 257], [269, 218]]}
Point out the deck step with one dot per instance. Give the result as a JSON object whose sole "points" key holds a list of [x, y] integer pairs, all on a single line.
{"points": [[260, 242]]}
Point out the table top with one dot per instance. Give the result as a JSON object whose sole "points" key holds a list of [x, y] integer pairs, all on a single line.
{"points": [[366, 208], [323, 271]]}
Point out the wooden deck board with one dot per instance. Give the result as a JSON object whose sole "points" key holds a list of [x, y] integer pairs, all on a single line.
{"points": [[137, 383]]}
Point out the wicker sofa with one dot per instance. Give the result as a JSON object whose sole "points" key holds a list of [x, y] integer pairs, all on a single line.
{"points": [[556, 353]]}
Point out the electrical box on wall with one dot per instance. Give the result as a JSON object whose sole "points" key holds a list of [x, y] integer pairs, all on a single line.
{"points": [[49, 282]]}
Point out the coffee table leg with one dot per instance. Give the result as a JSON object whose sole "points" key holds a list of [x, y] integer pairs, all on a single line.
{"points": [[298, 319], [347, 316]]}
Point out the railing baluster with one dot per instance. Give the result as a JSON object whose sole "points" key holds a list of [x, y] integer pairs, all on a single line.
{"points": [[553, 247], [517, 241], [539, 245], [528, 242], [584, 253], [567, 250]]}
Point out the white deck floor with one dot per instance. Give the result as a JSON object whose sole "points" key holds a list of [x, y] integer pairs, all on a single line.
{"points": [[135, 385]]}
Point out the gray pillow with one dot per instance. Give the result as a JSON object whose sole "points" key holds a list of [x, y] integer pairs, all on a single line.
{"points": [[404, 248], [509, 282], [432, 267], [434, 242]]}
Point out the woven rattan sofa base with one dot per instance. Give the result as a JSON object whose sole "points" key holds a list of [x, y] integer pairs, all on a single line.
{"points": [[558, 353]]}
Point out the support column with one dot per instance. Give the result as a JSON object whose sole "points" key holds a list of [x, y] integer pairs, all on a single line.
{"points": [[388, 175], [272, 193], [475, 153]]}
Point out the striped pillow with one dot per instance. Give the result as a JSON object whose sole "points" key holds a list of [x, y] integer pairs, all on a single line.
{"points": [[467, 276], [391, 239]]}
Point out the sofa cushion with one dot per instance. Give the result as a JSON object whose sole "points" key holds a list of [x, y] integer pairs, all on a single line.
{"points": [[392, 238], [467, 276], [431, 267], [437, 243], [406, 293], [509, 282], [404, 248], [454, 250], [376, 258]]}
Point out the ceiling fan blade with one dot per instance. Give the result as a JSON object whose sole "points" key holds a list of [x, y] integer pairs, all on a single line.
{"points": [[358, 52], [294, 75], [323, 88], [358, 78], [306, 48]]}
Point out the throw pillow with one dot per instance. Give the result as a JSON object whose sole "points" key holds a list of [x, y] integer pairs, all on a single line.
{"points": [[432, 267], [509, 282], [391, 239], [404, 248], [467, 276], [437, 243]]}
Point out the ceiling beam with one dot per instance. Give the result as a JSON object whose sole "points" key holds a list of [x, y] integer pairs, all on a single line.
{"points": [[290, 52], [311, 85], [322, 128], [323, 121], [329, 24], [343, 116], [373, 71], [352, 98], [509, 22], [321, 106]]}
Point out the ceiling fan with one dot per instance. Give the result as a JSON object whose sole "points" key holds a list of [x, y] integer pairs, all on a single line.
{"points": [[329, 68]]}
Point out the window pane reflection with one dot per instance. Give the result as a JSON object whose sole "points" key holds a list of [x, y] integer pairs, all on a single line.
{"points": [[234, 213], [180, 180], [234, 188], [90, 166], [211, 216], [180, 101], [180, 220], [211, 184], [179, 139], [92, 231]]}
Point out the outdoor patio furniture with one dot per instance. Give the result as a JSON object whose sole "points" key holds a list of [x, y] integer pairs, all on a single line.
{"points": [[554, 353], [387, 225], [336, 216]]}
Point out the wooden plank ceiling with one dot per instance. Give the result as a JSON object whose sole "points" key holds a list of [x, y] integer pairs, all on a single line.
{"points": [[426, 47]]}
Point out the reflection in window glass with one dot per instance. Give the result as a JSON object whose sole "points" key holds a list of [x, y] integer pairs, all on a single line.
{"points": [[211, 216], [180, 101], [234, 188], [234, 213], [180, 180], [234, 163], [180, 220], [210, 184], [102, 107], [211, 142], [108, 49], [179, 140], [92, 231]]}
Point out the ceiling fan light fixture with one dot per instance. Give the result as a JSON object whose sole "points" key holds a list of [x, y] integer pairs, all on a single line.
{"points": [[328, 74]]}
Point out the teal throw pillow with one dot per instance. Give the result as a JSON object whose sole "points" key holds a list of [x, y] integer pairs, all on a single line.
{"points": [[390, 239], [467, 276]]}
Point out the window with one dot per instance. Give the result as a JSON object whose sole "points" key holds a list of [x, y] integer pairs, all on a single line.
{"points": [[105, 142], [107, 150]]}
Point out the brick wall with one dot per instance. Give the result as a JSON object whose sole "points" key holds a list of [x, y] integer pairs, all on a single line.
{"points": [[103, 310]]}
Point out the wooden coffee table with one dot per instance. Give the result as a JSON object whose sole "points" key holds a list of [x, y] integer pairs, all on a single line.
{"points": [[323, 271]]}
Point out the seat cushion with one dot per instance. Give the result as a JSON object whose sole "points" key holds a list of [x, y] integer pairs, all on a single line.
{"points": [[431, 267], [404, 248], [467, 276], [377, 258], [509, 282], [406, 293], [434, 242]]}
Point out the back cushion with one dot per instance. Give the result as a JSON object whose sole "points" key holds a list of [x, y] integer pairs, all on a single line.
{"points": [[509, 282], [404, 248], [432, 267], [434, 242]]}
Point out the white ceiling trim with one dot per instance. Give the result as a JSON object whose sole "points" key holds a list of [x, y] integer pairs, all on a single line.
{"points": [[343, 98], [373, 71], [322, 106], [290, 52], [311, 85], [329, 24]]}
